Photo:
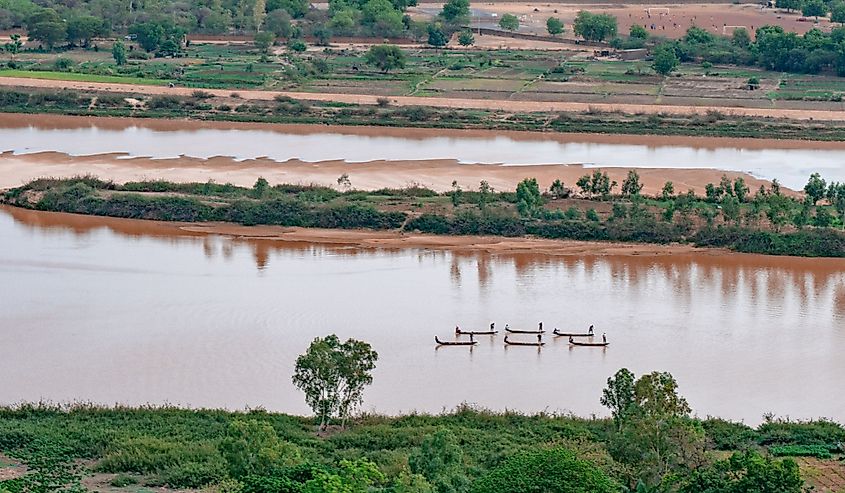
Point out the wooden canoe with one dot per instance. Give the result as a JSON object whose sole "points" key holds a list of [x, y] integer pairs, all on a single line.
{"points": [[454, 343], [518, 343], [558, 333], [477, 332], [515, 331], [591, 344]]}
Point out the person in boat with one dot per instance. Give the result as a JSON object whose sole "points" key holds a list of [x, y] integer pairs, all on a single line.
{"points": [[541, 326], [591, 330], [604, 338], [492, 324], [471, 337], [507, 326], [571, 340], [457, 329], [539, 338]]}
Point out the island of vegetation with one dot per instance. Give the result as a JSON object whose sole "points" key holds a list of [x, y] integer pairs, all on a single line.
{"points": [[767, 221], [650, 443]]}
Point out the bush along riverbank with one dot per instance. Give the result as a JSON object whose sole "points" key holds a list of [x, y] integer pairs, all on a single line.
{"points": [[203, 106], [729, 216], [651, 443]]}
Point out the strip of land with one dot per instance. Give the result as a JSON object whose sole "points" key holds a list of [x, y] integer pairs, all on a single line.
{"points": [[436, 102]]}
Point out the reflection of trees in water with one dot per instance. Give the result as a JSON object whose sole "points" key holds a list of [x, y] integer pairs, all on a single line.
{"points": [[759, 280]]}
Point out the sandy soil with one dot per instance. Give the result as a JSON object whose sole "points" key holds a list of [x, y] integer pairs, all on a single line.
{"points": [[435, 174], [487, 104]]}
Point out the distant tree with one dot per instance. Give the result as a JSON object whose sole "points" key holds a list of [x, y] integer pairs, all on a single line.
{"points": [[47, 27], [259, 12], [382, 18], [712, 193], [260, 188], [741, 38], [596, 184], [823, 218], [698, 36], [618, 396], [509, 22], [333, 375], [837, 13], [814, 8], [14, 44], [789, 5], [323, 34], [385, 57], [554, 26], [726, 185], [638, 32], [631, 184], [595, 27], [485, 194], [558, 191], [297, 45], [456, 194], [436, 37], [815, 188], [777, 210], [149, 35], [836, 196], [81, 29], [592, 215], [295, 8], [740, 189], [263, 41], [455, 11], [118, 52], [278, 23], [731, 209], [465, 38], [528, 197], [665, 59], [668, 192]]}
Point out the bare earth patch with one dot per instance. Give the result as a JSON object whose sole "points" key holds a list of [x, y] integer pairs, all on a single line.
{"points": [[825, 476]]}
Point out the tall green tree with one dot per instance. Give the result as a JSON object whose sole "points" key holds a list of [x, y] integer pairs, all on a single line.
{"points": [[814, 8], [595, 27], [554, 26], [631, 184], [528, 197], [638, 32], [333, 375], [455, 11], [47, 27], [436, 37], [465, 38], [82, 28], [618, 396], [385, 57], [665, 59], [789, 5], [815, 188], [118, 52], [509, 22]]}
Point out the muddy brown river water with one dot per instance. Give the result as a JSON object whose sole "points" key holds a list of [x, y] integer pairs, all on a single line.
{"points": [[119, 311]]}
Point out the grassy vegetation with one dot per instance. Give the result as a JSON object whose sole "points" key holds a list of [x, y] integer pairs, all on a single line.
{"points": [[80, 77], [767, 223], [191, 448]]}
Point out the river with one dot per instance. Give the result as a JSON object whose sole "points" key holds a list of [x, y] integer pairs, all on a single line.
{"points": [[120, 311], [790, 162]]}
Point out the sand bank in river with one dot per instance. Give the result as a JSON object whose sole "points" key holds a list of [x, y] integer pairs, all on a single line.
{"points": [[438, 175]]}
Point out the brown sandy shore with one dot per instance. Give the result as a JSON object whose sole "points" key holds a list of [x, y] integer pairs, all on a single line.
{"points": [[438, 175], [483, 104]]}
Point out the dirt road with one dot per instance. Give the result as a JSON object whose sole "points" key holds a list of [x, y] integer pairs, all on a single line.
{"points": [[485, 104]]}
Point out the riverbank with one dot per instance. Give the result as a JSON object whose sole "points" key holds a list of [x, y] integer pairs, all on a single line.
{"points": [[171, 449], [554, 215]]}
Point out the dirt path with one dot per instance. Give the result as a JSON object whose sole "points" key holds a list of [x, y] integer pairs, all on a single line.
{"points": [[486, 104]]}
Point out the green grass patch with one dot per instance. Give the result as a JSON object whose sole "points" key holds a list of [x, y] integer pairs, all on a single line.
{"points": [[75, 77]]}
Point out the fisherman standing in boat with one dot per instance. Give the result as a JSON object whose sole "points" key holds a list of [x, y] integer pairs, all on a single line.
{"points": [[541, 327], [591, 330], [540, 338], [571, 340], [457, 329], [471, 337], [604, 338], [492, 324]]}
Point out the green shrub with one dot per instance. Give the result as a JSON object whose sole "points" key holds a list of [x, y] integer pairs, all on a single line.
{"points": [[194, 474], [819, 451]]}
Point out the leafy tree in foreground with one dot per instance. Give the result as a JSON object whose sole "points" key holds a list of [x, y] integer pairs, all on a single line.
{"points": [[436, 36], [595, 27], [439, 459], [47, 27], [385, 57], [631, 184], [253, 447], [509, 22], [741, 38], [333, 376], [668, 191], [555, 470], [618, 396], [554, 26], [814, 8], [638, 32], [263, 41], [789, 5]]}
